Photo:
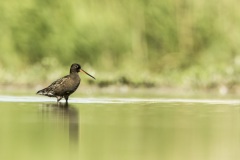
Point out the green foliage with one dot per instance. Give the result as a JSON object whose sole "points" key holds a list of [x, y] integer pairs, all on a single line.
{"points": [[172, 40]]}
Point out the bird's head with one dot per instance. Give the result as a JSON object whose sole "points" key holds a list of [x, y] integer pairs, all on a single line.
{"points": [[77, 68]]}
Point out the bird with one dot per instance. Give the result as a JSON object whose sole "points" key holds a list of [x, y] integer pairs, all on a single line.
{"points": [[65, 86]]}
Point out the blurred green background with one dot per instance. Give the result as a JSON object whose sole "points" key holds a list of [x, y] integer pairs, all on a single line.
{"points": [[139, 43]]}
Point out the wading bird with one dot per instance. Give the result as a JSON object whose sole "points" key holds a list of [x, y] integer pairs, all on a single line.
{"points": [[66, 85]]}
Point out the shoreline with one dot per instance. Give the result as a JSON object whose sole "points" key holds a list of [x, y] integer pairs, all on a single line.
{"points": [[126, 90]]}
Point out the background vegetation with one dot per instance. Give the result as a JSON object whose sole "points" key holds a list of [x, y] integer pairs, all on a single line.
{"points": [[141, 43]]}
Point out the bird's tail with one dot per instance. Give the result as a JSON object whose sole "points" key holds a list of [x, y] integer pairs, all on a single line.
{"points": [[42, 92], [46, 92]]}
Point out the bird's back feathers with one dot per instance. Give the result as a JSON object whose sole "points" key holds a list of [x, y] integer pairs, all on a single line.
{"points": [[55, 88]]}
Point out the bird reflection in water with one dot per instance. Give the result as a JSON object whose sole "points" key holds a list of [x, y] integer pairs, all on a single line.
{"points": [[67, 116]]}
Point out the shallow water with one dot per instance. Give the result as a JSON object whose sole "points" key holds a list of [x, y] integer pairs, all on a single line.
{"points": [[119, 129]]}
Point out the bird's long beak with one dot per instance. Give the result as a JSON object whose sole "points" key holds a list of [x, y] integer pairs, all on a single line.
{"points": [[81, 70]]}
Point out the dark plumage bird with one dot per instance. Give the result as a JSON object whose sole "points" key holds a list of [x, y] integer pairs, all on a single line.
{"points": [[64, 86]]}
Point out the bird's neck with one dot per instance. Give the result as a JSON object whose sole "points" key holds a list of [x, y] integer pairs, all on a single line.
{"points": [[74, 74]]}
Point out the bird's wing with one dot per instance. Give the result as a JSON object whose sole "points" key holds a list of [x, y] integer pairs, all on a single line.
{"points": [[59, 82], [56, 84]]}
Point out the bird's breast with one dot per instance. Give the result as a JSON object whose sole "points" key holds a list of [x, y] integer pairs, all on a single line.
{"points": [[73, 83]]}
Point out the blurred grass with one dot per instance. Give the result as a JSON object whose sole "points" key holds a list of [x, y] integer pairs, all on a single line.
{"points": [[138, 43]]}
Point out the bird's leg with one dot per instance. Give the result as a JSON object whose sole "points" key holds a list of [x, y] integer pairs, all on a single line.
{"points": [[59, 98], [66, 97]]}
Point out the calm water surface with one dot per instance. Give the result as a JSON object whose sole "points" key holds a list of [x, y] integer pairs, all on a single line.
{"points": [[33, 128]]}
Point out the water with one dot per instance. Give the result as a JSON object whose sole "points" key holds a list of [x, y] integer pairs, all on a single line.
{"points": [[119, 129]]}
